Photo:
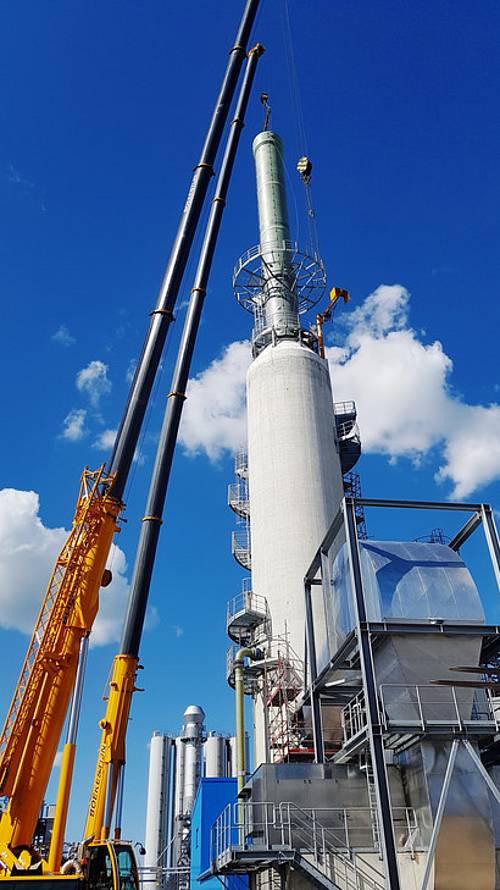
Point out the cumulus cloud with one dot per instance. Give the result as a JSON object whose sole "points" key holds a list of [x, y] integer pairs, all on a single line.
{"points": [[214, 416], [63, 337], [105, 440], [400, 383], [28, 550], [74, 425], [94, 381], [406, 406]]}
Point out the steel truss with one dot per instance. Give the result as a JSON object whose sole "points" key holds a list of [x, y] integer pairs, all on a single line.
{"points": [[357, 652]]}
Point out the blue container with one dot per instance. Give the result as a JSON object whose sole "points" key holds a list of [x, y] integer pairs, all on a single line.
{"points": [[212, 797]]}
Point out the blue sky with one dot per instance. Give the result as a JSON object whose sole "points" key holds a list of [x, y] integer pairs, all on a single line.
{"points": [[103, 112]]}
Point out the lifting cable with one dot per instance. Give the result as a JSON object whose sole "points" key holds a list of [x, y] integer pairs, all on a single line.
{"points": [[298, 113]]}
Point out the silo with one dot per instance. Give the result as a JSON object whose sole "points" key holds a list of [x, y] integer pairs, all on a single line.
{"points": [[156, 832], [215, 756]]}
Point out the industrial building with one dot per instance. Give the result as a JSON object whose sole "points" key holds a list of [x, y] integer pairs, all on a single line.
{"points": [[371, 668], [177, 766]]}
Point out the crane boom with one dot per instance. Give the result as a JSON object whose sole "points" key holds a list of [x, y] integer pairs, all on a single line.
{"points": [[111, 753], [35, 719], [29, 740]]}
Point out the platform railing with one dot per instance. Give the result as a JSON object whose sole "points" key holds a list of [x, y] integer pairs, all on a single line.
{"points": [[428, 706], [333, 838]]}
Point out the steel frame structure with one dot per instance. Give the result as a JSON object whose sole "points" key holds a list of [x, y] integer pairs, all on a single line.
{"points": [[359, 644]]}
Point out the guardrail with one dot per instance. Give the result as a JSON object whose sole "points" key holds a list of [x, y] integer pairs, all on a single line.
{"points": [[429, 706]]}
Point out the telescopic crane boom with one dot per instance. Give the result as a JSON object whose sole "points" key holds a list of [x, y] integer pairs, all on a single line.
{"points": [[111, 756], [30, 737]]}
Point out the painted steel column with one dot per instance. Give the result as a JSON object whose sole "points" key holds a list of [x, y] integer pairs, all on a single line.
{"points": [[319, 749], [384, 808], [162, 315], [67, 765]]}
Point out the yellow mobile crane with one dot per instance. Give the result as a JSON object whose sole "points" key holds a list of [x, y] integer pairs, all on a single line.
{"points": [[57, 651]]}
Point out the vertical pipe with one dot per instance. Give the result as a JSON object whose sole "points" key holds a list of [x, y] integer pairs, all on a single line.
{"points": [[280, 304], [128, 433], [67, 764], [150, 531]]}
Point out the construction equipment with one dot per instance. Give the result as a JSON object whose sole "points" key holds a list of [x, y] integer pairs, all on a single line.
{"points": [[336, 294], [29, 741]]}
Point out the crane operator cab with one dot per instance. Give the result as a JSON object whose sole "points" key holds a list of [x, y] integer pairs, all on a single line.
{"points": [[112, 866]]}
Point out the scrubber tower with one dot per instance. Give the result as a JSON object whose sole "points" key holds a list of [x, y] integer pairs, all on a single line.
{"points": [[294, 469]]}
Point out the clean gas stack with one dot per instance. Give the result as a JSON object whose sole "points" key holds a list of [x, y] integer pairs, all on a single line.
{"points": [[293, 480]]}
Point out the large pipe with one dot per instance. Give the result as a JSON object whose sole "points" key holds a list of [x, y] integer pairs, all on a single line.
{"points": [[162, 315], [239, 689], [280, 301], [150, 530]]}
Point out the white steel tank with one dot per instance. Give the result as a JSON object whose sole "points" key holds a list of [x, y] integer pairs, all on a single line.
{"points": [[215, 756], [157, 802]]}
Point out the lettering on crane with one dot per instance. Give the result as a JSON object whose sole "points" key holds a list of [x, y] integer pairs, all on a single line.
{"points": [[97, 781]]}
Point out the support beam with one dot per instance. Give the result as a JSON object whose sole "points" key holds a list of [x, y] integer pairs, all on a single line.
{"points": [[439, 813], [465, 532], [491, 534], [374, 729]]}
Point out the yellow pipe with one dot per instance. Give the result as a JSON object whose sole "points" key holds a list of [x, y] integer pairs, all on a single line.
{"points": [[57, 840], [241, 766]]}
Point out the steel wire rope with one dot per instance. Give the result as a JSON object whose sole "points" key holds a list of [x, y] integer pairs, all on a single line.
{"points": [[298, 112]]}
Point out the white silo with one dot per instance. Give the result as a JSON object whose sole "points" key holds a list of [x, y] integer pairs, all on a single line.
{"points": [[156, 832], [215, 756]]}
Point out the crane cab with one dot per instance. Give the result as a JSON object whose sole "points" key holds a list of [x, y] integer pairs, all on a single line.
{"points": [[111, 866]]}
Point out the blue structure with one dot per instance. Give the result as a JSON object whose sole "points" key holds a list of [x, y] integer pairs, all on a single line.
{"points": [[213, 795]]}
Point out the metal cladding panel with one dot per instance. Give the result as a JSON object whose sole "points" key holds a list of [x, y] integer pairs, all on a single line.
{"points": [[403, 579], [295, 479], [465, 853], [212, 797]]}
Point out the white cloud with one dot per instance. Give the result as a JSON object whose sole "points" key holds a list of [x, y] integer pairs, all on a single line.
{"points": [[58, 760], [94, 381], [214, 415], [401, 386], [63, 337], [403, 396], [105, 440], [74, 425], [178, 631], [129, 375], [28, 550]]}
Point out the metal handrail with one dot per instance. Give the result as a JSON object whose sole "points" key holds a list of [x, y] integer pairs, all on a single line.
{"points": [[478, 707], [305, 831]]}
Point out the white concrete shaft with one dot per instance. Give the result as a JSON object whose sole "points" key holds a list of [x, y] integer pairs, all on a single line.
{"points": [[295, 479], [155, 839]]}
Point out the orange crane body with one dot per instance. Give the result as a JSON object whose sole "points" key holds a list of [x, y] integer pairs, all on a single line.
{"points": [[30, 737]]}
